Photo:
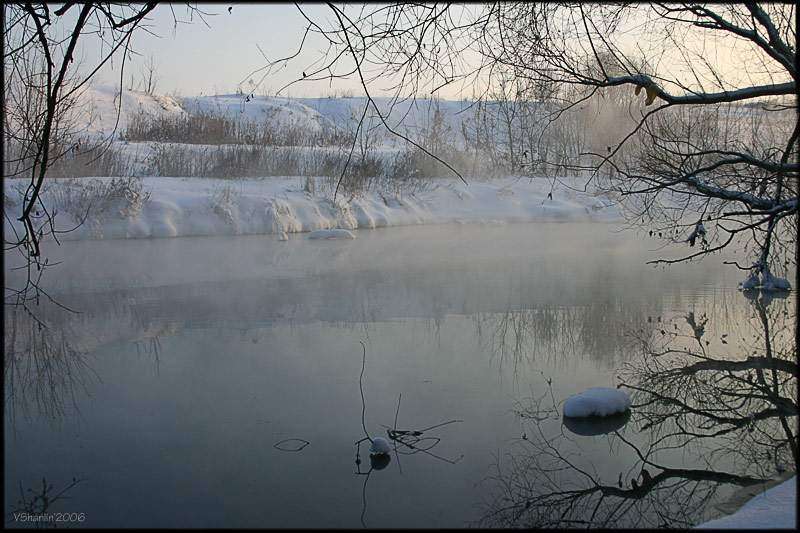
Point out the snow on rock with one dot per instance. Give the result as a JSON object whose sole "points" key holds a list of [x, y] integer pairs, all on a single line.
{"points": [[597, 401], [773, 283], [331, 234], [766, 282], [751, 282], [773, 509], [380, 446]]}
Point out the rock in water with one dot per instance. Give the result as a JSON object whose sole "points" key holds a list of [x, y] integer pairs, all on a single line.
{"points": [[331, 234], [751, 282], [774, 283]]}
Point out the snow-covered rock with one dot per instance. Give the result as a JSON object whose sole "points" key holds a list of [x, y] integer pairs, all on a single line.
{"points": [[750, 283], [380, 446], [597, 401], [773, 509], [773, 283], [331, 234], [766, 282]]}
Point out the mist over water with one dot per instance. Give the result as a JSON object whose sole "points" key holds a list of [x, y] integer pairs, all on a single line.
{"points": [[200, 354]]}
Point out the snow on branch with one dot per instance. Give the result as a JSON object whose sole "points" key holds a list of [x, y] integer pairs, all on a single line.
{"points": [[746, 93]]}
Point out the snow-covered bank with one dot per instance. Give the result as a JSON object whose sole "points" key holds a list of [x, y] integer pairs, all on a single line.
{"points": [[178, 207], [775, 508]]}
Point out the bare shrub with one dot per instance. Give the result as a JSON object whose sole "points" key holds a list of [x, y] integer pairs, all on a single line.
{"points": [[96, 200], [210, 128], [81, 159], [237, 161]]}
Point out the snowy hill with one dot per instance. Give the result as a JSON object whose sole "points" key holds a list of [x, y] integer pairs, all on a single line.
{"points": [[99, 105], [284, 111], [414, 118], [409, 117]]}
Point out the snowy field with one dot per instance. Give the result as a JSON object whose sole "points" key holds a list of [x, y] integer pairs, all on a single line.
{"points": [[92, 208]]}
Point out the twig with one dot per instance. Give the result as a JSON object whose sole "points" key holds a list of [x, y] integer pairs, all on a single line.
{"points": [[361, 389]]}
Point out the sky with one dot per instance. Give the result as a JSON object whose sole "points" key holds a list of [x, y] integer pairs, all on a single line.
{"points": [[212, 59], [221, 55]]}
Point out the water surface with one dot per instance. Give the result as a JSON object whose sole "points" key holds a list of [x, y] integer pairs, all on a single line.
{"points": [[191, 358]]}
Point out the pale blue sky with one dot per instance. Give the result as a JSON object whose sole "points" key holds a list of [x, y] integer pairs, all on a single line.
{"points": [[195, 59]]}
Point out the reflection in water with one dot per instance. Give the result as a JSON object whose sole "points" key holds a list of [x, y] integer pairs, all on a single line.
{"points": [[44, 371], [732, 414], [403, 441], [202, 359], [556, 334], [376, 462], [36, 501], [291, 445], [593, 425]]}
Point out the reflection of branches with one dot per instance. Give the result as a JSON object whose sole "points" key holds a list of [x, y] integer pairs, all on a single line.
{"points": [[38, 502], [151, 346], [532, 494], [404, 441], [412, 441], [408, 439], [753, 398], [521, 336], [551, 484], [730, 419], [42, 369]]}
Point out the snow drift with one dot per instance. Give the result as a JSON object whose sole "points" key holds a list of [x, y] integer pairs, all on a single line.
{"points": [[178, 207], [775, 508]]}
